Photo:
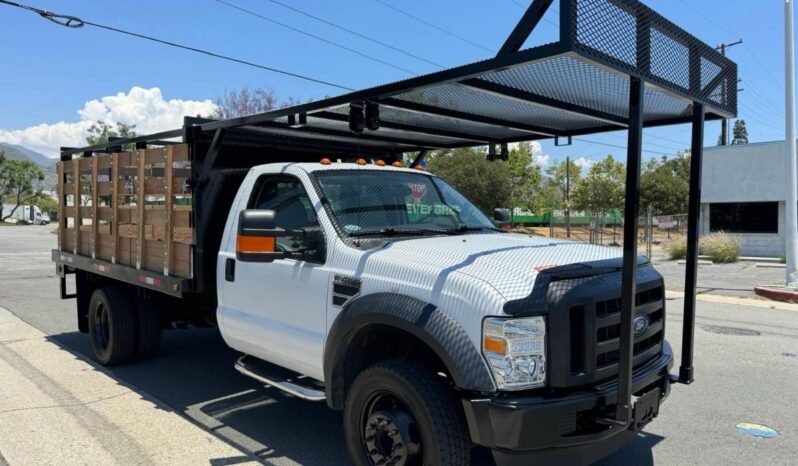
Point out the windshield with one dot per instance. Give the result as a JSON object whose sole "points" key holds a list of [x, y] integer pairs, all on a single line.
{"points": [[381, 202]]}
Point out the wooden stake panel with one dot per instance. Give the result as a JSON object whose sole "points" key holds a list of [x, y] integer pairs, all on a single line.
{"points": [[129, 208]]}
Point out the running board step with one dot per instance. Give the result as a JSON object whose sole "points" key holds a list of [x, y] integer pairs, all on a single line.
{"points": [[279, 378]]}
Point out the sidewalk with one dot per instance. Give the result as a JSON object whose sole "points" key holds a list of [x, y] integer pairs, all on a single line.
{"points": [[58, 409], [737, 279]]}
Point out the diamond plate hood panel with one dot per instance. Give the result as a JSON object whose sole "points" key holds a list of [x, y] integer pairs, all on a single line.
{"points": [[507, 262]]}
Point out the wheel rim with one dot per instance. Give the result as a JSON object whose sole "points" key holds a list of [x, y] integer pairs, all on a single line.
{"points": [[390, 435], [102, 329]]}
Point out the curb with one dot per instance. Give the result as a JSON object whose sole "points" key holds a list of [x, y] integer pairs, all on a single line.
{"points": [[735, 300], [777, 294]]}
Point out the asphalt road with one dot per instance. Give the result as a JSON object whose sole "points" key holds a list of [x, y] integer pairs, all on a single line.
{"points": [[750, 378]]}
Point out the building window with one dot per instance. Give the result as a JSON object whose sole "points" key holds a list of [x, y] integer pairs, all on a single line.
{"points": [[744, 217]]}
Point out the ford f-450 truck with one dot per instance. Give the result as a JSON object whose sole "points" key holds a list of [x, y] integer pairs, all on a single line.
{"points": [[343, 273], [377, 288]]}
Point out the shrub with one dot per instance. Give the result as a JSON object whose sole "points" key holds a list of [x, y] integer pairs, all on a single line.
{"points": [[678, 249], [721, 247]]}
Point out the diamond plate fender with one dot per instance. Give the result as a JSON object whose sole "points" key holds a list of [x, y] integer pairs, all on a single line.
{"points": [[436, 329]]}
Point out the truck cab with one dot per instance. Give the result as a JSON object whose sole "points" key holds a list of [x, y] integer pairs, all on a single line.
{"points": [[332, 269]]}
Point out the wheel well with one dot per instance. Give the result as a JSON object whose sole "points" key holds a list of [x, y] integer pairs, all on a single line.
{"points": [[375, 343], [86, 283]]}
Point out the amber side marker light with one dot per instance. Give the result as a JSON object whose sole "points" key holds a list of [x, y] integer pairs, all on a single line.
{"points": [[361, 162], [325, 161], [419, 168], [397, 164], [494, 345], [255, 244], [380, 163]]}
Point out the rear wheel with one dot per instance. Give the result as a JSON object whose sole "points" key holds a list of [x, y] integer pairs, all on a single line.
{"points": [[112, 326], [398, 413]]}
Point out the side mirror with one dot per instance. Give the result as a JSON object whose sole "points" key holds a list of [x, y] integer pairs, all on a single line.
{"points": [[501, 216], [257, 235]]}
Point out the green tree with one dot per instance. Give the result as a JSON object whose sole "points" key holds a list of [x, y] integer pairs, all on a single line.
{"points": [[101, 130], [665, 184], [739, 133], [486, 184], [525, 176], [602, 189], [19, 182], [558, 178], [47, 204]]}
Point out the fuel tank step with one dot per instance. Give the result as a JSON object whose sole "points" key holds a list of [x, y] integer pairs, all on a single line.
{"points": [[290, 382]]}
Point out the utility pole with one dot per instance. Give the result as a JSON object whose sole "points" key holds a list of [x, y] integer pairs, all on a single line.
{"points": [[724, 124], [792, 166], [568, 197]]}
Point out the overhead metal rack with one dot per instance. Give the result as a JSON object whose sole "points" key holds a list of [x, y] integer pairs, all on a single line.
{"points": [[616, 65]]}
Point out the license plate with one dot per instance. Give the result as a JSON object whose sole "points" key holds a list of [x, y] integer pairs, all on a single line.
{"points": [[646, 408]]}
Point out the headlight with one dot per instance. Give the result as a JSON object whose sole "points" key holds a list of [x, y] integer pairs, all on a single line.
{"points": [[516, 351]]}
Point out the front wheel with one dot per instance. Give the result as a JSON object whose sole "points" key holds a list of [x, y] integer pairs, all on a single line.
{"points": [[399, 413]]}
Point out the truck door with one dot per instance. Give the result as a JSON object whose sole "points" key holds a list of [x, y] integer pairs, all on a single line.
{"points": [[277, 310]]}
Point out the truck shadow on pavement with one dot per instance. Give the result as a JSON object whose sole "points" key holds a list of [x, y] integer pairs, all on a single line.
{"points": [[193, 374]]}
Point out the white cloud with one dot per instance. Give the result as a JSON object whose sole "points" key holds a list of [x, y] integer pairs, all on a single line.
{"points": [[145, 108], [584, 163], [538, 157], [541, 160]]}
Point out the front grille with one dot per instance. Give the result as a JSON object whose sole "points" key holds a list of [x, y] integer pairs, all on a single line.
{"points": [[608, 329], [596, 332]]}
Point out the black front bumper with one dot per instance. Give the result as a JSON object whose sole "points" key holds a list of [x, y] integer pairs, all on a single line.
{"points": [[567, 428]]}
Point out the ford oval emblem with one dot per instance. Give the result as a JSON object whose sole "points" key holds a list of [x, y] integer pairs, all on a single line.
{"points": [[640, 324]]}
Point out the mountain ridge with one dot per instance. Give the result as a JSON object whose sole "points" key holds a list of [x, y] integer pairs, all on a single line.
{"points": [[18, 152]]}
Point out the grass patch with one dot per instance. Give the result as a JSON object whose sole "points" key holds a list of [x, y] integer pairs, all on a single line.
{"points": [[678, 249], [721, 247]]}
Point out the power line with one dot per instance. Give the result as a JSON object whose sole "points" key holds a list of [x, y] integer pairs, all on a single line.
{"points": [[355, 33], [546, 20], [726, 30], [75, 22], [762, 99], [761, 65], [314, 36], [613, 145], [710, 21], [434, 26]]}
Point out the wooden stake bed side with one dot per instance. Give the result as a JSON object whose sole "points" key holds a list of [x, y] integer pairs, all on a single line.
{"points": [[128, 209]]}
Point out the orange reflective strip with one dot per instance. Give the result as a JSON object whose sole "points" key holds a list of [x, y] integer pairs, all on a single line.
{"points": [[255, 244]]}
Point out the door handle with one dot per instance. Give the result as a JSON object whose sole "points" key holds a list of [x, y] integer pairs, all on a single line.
{"points": [[230, 270]]}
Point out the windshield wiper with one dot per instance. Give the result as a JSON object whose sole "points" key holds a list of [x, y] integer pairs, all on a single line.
{"points": [[395, 232], [466, 228]]}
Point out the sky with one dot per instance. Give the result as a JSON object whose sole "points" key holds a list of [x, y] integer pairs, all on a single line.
{"points": [[55, 81]]}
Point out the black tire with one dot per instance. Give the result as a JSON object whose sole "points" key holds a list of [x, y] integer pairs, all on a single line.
{"points": [[377, 428], [112, 326], [150, 328]]}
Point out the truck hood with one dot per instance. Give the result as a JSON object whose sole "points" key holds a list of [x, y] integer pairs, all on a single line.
{"points": [[508, 262]]}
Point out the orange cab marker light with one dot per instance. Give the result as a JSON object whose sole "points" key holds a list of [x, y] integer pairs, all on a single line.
{"points": [[419, 168], [380, 163], [361, 162], [398, 164], [325, 161], [255, 244], [494, 345]]}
